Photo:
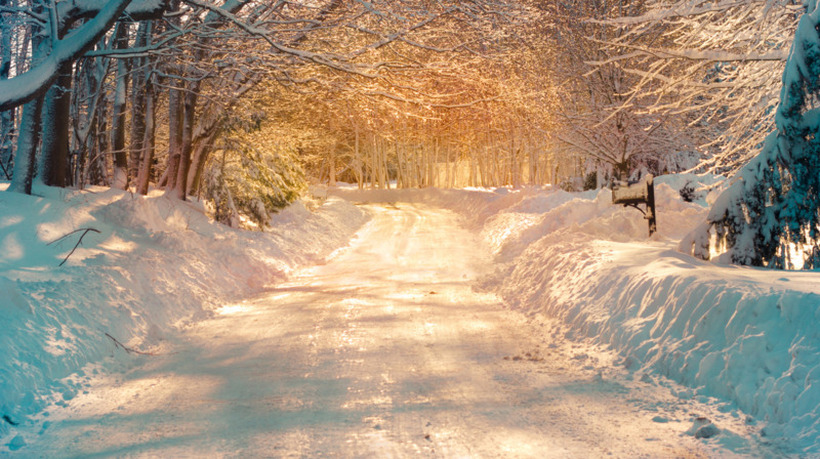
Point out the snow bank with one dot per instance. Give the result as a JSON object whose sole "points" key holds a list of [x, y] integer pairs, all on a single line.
{"points": [[155, 264], [748, 336]]}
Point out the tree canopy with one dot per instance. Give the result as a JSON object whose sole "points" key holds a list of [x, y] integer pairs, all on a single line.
{"points": [[245, 102]]}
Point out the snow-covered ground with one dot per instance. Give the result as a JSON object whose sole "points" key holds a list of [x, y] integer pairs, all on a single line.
{"points": [[386, 349], [745, 337], [155, 265]]}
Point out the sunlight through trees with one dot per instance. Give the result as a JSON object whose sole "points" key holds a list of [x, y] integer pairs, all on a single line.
{"points": [[244, 103]]}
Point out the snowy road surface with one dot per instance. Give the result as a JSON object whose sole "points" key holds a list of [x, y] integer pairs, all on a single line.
{"points": [[384, 351]]}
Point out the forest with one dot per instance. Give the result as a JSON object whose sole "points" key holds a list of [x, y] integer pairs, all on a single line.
{"points": [[403, 228], [243, 104]]}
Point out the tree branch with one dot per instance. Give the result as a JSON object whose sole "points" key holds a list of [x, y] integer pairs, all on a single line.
{"points": [[79, 241]]}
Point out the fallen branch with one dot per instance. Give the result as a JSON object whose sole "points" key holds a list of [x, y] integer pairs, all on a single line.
{"points": [[128, 349], [79, 241]]}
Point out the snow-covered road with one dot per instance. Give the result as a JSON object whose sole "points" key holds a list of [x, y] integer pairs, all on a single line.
{"points": [[384, 351]]}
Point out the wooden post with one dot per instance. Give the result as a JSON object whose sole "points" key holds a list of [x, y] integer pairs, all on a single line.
{"points": [[639, 193]]}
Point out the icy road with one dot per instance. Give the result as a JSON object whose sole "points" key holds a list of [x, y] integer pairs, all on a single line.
{"points": [[385, 351]]}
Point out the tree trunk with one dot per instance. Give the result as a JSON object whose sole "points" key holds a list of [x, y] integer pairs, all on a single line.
{"points": [[189, 112], [448, 178], [385, 172], [118, 113], [90, 77], [401, 181], [30, 126], [175, 114], [431, 161], [372, 162], [331, 167], [357, 161], [200, 158], [98, 161], [139, 83], [6, 117], [27, 142], [53, 170], [147, 141]]}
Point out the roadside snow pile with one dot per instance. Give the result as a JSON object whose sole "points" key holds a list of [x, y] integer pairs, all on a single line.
{"points": [[155, 264], [749, 336]]}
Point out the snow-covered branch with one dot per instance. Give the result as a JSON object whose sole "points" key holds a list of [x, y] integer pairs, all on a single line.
{"points": [[26, 86], [137, 10]]}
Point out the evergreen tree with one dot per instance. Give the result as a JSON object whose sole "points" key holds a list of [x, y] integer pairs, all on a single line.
{"points": [[769, 215], [254, 177]]}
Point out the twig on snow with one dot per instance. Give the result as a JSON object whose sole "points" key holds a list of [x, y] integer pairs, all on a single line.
{"points": [[79, 241], [128, 349]]}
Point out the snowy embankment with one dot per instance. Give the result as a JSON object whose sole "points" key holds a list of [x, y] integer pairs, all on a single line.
{"points": [[743, 335], [155, 264]]}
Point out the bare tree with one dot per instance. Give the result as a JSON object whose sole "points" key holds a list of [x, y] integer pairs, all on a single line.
{"points": [[713, 66]]}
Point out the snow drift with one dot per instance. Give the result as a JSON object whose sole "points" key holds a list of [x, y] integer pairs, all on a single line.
{"points": [[749, 336], [156, 264], [744, 335]]}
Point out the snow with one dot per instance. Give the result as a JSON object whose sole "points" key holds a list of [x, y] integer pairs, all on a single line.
{"points": [[743, 335], [25, 86], [361, 329], [746, 336], [156, 265], [385, 350]]}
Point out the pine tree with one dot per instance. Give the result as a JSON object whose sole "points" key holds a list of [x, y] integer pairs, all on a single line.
{"points": [[769, 215]]}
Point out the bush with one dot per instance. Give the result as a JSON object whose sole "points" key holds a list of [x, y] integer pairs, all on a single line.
{"points": [[688, 193], [247, 183], [591, 181]]}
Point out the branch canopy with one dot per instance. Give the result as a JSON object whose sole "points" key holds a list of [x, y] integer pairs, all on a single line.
{"points": [[26, 86]]}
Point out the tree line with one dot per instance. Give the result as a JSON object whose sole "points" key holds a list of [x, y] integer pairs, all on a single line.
{"points": [[131, 94], [243, 101], [530, 91]]}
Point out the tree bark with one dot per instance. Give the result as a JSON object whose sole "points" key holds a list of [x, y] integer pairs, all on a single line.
{"points": [[27, 142], [53, 166], [118, 113], [35, 82], [25, 164], [357, 160], [7, 116], [331, 166], [175, 113], [147, 140], [139, 81], [189, 112], [204, 146], [98, 160]]}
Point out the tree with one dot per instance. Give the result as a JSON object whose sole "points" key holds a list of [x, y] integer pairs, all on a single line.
{"points": [[711, 67], [189, 70], [55, 47], [99, 15], [252, 174], [605, 120], [770, 215]]}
